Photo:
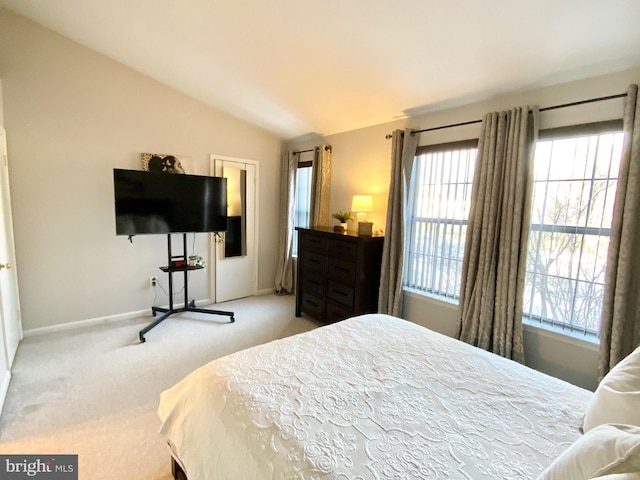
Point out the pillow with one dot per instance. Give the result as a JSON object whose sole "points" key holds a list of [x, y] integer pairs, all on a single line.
{"points": [[617, 398], [605, 450]]}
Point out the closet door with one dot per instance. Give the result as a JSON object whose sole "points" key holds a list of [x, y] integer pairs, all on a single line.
{"points": [[10, 320], [236, 255], [9, 299]]}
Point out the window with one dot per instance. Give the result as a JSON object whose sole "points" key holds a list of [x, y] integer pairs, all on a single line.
{"points": [[441, 196], [575, 181], [303, 200]]}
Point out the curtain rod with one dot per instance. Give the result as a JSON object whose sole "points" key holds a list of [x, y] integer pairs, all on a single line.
{"points": [[326, 147], [553, 107]]}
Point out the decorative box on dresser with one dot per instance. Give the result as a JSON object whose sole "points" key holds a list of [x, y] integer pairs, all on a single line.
{"points": [[338, 273]]}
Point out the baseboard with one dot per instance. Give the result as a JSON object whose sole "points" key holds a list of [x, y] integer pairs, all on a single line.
{"points": [[266, 291], [4, 388], [62, 327], [99, 321], [32, 332]]}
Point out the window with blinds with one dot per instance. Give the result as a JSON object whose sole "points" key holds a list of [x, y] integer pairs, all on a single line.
{"points": [[302, 208], [575, 181], [574, 188], [440, 198]]}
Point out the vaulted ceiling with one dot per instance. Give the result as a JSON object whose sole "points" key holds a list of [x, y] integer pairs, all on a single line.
{"points": [[297, 67]]}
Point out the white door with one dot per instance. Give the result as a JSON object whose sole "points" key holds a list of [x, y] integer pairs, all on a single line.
{"points": [[9, 299], [5, 372], [236, 269]]}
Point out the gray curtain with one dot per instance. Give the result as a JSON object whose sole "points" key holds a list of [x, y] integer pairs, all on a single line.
{"points": [[620, 322], [493, 269], [285, 266], [403, 151], [320, 186]]}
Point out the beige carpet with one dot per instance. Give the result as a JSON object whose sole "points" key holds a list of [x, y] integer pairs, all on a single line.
{"points": [[94, 391]]}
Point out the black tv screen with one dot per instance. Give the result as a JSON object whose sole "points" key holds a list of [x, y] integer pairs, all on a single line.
{"points": [[153, 203]]}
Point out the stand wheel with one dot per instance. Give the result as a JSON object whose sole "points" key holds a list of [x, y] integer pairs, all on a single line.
{"points": [[142, 339], [232, 319]]}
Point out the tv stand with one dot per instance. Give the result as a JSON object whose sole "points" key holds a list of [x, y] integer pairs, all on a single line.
{"points": [[175, 264]]}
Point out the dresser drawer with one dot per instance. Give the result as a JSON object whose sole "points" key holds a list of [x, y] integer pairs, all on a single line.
{"points": [[313, 283], [342, 249], [312, 305], [336, 312], [312, 261], [342, 270], [310, 242], [340, 293]]}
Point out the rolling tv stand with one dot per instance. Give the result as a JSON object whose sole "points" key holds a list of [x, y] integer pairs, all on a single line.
{"points": [[178, 263]]}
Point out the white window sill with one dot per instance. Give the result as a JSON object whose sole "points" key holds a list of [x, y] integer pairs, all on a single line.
{"points": [[556, 333]]}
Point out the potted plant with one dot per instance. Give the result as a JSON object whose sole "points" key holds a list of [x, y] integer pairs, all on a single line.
{"points": [[343, 218]]}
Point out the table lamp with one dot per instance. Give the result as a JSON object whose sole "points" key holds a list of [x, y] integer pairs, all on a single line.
{"points": [[361, 204]]}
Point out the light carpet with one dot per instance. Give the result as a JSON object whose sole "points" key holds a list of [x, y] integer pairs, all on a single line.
{"points": [[94, 391]]}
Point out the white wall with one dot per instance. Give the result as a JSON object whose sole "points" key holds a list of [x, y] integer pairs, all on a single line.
{"points": [[1, 106], [361, 164], [72, 116]]}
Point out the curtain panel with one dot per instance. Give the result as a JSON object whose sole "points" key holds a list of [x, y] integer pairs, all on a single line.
{"points": [[620, 321], [403, 151], [320, 186], [284, 269], [494, 264]]}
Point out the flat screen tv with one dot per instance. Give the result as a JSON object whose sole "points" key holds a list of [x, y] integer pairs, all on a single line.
{"points": [[155, 202]]}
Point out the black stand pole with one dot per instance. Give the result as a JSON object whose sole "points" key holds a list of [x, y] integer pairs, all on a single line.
{"points": [[189, 306]]}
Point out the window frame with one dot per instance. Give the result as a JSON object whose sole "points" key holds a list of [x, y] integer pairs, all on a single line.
{"points": [[411, 218], [300, 164], [561, 133]]}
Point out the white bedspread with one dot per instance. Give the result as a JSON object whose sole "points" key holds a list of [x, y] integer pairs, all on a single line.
{"points": [[372, 397]]}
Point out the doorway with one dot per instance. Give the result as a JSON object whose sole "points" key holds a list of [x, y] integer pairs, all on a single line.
{"points": [[236, 251]]}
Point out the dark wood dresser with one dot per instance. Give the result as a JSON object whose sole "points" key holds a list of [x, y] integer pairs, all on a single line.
{"points": [[338, 273]]}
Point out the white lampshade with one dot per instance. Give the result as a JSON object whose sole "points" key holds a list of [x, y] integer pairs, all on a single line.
{"points": [[362, 203]]}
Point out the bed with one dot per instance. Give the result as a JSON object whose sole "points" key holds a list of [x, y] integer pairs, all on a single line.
{"points": [[371, 397]]}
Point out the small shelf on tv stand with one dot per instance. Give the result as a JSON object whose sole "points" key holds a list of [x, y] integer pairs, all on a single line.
{"points": [[189, 306], [181, 268]]}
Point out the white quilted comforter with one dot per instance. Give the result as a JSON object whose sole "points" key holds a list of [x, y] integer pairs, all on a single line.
{"points": [[372, 397]]}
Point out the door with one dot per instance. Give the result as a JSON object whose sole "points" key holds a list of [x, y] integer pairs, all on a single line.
{"points": [[235, 253], [10, 305]]}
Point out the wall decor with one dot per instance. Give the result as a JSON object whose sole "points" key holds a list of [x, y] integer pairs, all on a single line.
{"points": [[160, 162]]}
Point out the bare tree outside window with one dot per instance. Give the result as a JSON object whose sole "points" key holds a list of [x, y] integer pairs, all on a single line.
{"points": [[574, 190]]}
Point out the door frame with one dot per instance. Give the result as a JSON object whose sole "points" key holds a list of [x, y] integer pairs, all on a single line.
{"points": [[256, 223]]}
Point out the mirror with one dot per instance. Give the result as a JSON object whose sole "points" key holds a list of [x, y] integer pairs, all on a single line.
{"points": [[235, 244]]}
